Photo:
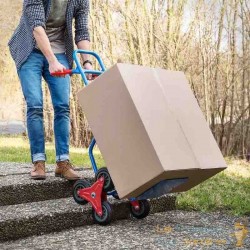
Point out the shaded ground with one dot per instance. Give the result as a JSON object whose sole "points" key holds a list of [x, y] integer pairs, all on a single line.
{"points": [[170, 230]]}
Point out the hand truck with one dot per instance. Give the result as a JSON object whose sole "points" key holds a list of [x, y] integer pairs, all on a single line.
{"points": [[103, 186]]}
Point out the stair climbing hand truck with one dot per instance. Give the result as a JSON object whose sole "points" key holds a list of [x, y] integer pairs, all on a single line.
{"points": [[103, 186]]}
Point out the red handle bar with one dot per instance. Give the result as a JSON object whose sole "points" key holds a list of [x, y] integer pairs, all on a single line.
{"points": [[62, 73], [69, 71]]}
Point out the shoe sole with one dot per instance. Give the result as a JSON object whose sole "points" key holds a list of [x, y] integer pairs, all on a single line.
{"points": [[38, 177], [69, 179]]}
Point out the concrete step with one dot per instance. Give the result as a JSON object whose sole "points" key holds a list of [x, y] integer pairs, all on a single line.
{"points": [[22, 220], [178, 230], [19, 188], [29, 207], [16, 187]]}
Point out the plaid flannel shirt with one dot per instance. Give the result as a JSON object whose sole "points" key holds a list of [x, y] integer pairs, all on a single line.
{"points": [[36, 13]]}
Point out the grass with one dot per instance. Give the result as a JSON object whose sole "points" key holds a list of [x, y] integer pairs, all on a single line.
{"points": [[221, 192], [16, 149], [227, 191]]}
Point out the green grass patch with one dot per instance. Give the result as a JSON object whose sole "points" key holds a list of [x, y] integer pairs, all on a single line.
{"points": [[16, 149], [222, 192], [22, 155]]}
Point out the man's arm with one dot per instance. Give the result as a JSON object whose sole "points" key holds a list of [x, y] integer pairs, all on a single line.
{"points": [[81, 22], [82, 39], [85, 45], [44, 45], [34, 12]]}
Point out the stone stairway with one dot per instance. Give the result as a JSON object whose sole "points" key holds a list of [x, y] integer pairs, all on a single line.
{"points": [[30, 207]]}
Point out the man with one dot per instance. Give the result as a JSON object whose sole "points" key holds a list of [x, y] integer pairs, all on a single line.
{"points": [[42, 44]]}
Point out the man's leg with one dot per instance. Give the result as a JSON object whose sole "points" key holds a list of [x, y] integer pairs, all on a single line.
{"points": [[30, 76], [60, 92]]}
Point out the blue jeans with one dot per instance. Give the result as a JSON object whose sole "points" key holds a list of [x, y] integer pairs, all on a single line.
{"points": [[30, 75]]}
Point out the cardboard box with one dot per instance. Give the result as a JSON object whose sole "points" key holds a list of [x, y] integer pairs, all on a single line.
{"points": [[149, 128]]}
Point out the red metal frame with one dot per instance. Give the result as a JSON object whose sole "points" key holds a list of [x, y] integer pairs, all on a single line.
{"points": [[94, 76], [94, 195], [135, 204]]}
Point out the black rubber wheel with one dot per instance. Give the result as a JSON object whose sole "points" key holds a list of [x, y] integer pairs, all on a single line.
{"points": [[108, 183], [143, 211], [80, 184], [106, 216]]}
